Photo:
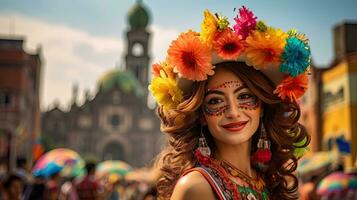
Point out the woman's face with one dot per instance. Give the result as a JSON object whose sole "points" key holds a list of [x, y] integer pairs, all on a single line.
{"points": [[231, 110]]}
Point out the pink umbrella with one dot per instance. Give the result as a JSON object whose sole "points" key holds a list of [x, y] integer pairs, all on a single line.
{"points": [[67, 159], [336, 183]]}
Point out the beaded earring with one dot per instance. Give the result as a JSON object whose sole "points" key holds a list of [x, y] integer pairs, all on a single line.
{"points": [[263, 154], [203, 147]]}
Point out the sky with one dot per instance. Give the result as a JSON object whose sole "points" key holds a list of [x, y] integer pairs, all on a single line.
{"points": [[83, 39]]}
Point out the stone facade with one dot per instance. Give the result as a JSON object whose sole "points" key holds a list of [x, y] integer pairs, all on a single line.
{"points": [[116, 123]]}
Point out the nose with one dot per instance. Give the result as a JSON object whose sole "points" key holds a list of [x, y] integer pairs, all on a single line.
{"points": [[232, 110]]}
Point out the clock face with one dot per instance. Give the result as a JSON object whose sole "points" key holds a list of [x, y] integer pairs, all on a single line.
{"points": [[138, 49]]}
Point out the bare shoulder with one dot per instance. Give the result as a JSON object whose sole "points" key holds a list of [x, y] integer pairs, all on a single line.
{"points": [[193, 186]]}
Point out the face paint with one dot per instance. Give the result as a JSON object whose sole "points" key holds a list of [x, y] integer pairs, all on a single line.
{"points": [[215, 112], [245, 101], [227, 84], [250, 103], [228, 100]]}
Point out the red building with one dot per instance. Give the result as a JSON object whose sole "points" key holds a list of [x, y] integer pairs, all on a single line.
{"points": [[20, 74]]}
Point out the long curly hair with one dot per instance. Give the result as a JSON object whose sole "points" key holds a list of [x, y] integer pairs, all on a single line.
{"points": [[280, 120]]}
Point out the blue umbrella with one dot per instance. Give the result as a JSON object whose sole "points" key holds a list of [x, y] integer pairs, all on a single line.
{"points": [[50, 169]]}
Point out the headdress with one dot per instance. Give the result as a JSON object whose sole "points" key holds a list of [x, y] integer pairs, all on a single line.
{"points": [[284, 57]]}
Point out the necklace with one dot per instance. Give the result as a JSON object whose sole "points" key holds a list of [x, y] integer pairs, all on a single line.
{"points": [[256, 183]]}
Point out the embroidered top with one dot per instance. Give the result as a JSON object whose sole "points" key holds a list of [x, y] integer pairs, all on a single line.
{"points": [[223, 192]]}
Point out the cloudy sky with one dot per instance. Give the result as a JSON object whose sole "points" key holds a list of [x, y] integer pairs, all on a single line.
{"points": [[83, 39]]}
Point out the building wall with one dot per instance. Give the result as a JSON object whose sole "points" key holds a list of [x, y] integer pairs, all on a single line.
{"points": [[88, 129], [19, 82], [353, 101], [339, 104]]}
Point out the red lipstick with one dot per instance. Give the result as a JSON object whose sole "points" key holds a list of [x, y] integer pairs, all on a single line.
{"points": [[235, 126]]}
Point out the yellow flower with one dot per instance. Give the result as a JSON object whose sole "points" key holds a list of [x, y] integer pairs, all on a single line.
{"points": [[301, 36], [163, 69], [166, 92], [209, 28], [222, 22], [264, 48]]}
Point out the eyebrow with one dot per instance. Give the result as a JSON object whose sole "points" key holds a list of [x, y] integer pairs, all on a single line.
{"points": [[219, 92]]}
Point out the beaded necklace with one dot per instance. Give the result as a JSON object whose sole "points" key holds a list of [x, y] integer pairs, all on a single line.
{"points": [[256, 183]]}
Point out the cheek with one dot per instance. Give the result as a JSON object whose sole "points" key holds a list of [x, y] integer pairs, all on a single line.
{"points": [[212, 122], [209, 119], [255, 117]]}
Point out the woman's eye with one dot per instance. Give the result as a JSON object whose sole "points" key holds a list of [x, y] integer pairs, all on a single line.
{"points": [[245, 96], [214, 101]]}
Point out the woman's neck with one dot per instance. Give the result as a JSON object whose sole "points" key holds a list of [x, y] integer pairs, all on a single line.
{"points": [[236, 155]]}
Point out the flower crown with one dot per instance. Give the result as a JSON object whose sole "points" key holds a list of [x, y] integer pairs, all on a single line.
{"points": [[284, 57]]}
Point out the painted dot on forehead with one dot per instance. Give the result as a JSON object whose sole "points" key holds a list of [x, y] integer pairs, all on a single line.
{"points": [[227, 84]]}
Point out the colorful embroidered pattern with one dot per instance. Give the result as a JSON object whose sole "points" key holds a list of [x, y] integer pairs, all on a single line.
{"points": [[246, 193]]}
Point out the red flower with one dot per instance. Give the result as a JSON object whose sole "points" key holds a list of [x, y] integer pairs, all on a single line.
{"points": [[292, 87], [228, 45]]}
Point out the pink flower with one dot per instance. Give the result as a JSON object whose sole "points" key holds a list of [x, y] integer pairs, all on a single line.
{"points": [[245, 22]]}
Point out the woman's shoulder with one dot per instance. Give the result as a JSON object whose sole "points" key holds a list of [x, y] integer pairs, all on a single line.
{"points": [[193, 186]]}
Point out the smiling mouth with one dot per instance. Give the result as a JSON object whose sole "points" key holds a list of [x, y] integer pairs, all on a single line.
{"points": [[236, 126]]}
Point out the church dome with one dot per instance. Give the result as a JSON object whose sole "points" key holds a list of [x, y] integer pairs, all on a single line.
{"points": [[138, 16], [124, 80]]}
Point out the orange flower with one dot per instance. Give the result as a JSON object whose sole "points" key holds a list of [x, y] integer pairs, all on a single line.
{"points": [[190, 57], [156, 69], [228, 45], [162, 69], [264, 48], [292, 87]]}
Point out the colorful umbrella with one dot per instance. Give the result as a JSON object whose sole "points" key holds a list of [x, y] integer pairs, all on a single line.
{"points": [[317, 161], [66, 161], [142, 174], [337, 182], [118, 167]]}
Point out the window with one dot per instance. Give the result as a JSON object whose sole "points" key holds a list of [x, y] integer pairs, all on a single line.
{"points": [[138, 50], [5, 99], [115, 120], [85, 121]]}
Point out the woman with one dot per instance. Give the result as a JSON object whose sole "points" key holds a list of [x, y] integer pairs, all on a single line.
{"points": [[228, 101]]}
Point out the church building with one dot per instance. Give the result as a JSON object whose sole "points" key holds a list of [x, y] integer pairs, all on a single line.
{"points": [[116, 123]]}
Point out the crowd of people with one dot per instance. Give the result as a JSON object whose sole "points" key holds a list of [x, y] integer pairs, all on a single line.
{"points": [[21, 185]]}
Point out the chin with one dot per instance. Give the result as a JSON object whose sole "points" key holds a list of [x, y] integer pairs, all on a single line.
{"points": [[235, 139]]}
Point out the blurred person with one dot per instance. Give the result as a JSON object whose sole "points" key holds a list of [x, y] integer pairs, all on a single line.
{"points": [[52, 187], [151, 193], [132, 190], [228, 101], [68, 190], [114, 193], [2, 190], [89, 188], [21, 170], [36, 190], [13, 188]]}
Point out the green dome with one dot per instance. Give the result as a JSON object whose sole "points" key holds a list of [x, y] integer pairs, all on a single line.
{"points": [[138, 16], [124, 80]]}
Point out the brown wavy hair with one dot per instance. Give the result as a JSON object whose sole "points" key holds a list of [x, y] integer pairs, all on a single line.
{"points": [[280, 120]]}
